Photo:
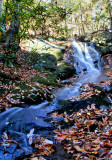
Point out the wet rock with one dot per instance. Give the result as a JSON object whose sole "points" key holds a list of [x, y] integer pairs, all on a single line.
{"points": [[2, 148], [61, 153], [27, 124], [104, 107], [27, 150], [1, 154], [11, 148], [21, 138], [70, 106], [7, 156], [58, 119], [103, 40], [63, 105], [18, 154], [26, 119]]}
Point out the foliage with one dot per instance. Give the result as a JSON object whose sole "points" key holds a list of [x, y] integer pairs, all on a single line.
{"points": [[60, 18]]}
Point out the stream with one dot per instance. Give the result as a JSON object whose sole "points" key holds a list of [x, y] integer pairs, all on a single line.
{"points": [[17, 122]]}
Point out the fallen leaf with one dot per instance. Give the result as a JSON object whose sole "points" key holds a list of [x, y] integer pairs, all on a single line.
{"points": [[61, 137]]}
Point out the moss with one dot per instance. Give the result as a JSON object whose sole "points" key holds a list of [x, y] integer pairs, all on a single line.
{"points": [[103, 40], [49, 80], [64, 103], [57, 53], [16, 91], [42, 62], [5, 81], [64, 71], [22, 85]]}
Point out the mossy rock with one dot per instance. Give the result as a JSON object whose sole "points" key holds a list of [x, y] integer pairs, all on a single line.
{"points": [[42, 62], [46, 61], [65, 71], [49, 80], [57, 53]]}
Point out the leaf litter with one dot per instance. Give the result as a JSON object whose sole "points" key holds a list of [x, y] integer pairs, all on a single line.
{"points": [[91, 135]]}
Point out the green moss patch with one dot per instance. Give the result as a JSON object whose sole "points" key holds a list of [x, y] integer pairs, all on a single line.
{"points": [[49, 80], [64, 71], [42, 62]]}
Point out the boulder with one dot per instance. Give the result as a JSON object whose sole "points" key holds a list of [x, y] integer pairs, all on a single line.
{"points": [[65, 71]]}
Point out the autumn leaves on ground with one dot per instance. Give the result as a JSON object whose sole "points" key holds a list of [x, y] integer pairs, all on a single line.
{"points": [[89, 132], [18, 84]]}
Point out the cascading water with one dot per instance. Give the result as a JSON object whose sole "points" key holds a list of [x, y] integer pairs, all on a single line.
{"points": [[83, 60], [87, 65]]}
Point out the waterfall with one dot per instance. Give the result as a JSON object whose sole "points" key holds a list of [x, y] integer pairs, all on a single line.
{"points": [[87, 65], [86, 58]]}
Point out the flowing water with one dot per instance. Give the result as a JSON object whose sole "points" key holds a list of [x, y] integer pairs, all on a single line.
{"points": [[19, 121], [88, 67]]}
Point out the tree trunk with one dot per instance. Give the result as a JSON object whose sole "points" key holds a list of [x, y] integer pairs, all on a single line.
{"points": [[12, 39]]}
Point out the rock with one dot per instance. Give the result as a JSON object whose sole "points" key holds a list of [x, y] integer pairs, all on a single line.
{"points": [[27, 119], [104, 107], [1, 154], [65, 71], [11, 148], [47, 61], [58, 119], [107, 60], [7, 156], [43, 46], [19, 137], [11, 152], [2, 148], [18, 154]]}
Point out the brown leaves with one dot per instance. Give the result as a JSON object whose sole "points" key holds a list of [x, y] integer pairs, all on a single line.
{"points": [[88, 90], [89, 135], [44, 146], [20, 84], [61, 137]]}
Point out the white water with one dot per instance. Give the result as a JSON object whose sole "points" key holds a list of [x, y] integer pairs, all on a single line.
{"points": [[84, 58]]}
